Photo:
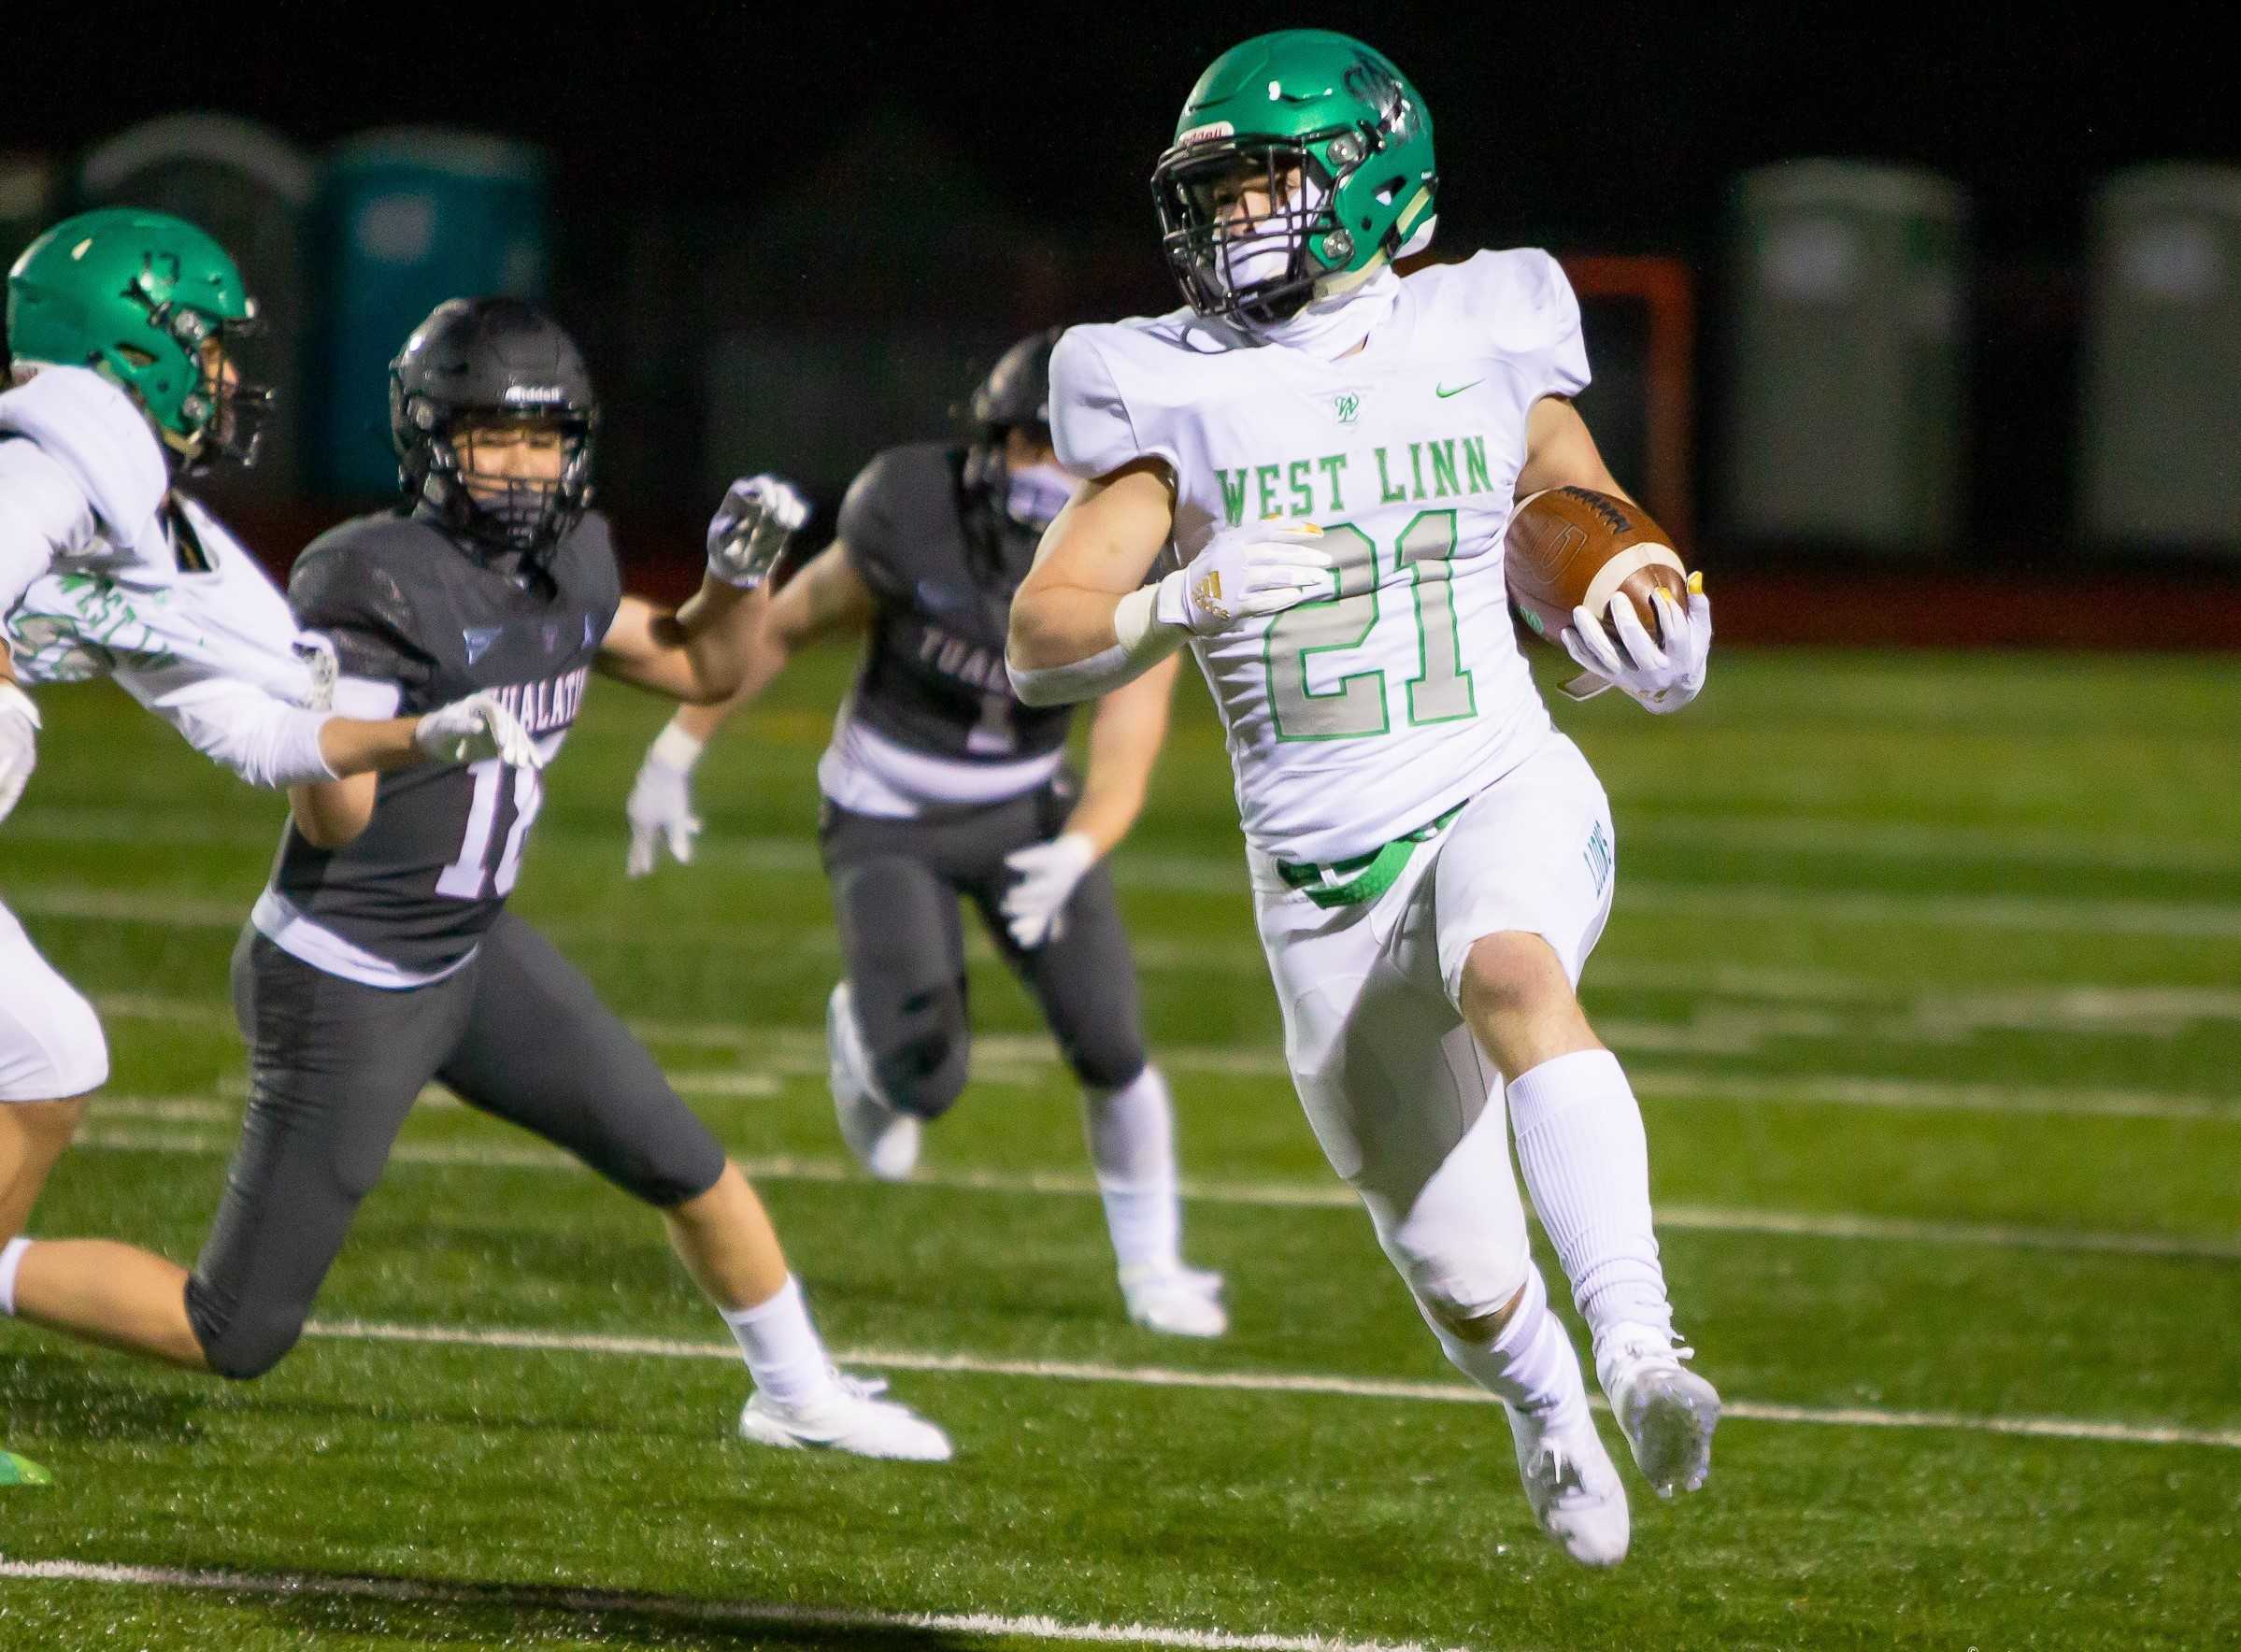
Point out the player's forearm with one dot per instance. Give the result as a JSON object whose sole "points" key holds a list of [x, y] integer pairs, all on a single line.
{"points": [[352, 745], [1071, 643], [714, 635], [1125, 735]]}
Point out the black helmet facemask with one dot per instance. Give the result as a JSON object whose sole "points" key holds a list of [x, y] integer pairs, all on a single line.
{"points": [[488, 363]]}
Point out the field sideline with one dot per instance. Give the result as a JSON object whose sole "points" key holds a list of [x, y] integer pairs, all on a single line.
{"points": [[1928, 968]]}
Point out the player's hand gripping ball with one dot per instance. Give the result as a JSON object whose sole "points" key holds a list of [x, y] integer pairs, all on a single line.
{"points": [[752, 527], [1584, 565]]}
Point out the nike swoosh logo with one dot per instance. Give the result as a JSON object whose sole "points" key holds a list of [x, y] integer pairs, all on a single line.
{"points": [[1443, 392]]}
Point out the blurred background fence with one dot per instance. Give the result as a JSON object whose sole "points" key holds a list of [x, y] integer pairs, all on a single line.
{"points": [[1859, 424]]}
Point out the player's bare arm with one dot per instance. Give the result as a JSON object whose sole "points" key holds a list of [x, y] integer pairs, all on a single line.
{"points": [[700, 654], [1126, 732], [1084, 623], [1560, 453], [827, 598]]}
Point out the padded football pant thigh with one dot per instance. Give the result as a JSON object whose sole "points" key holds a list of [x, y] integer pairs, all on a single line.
{"points": [[902, 943], [1084, 978], [540, 1050], [333, 1069]]}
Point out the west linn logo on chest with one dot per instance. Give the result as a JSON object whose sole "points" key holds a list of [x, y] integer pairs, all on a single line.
{"points": [[1400, 473]]}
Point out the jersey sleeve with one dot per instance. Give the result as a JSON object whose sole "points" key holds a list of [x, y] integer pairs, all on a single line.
{"points": [[346, 593], [1535, 319], [1092, 424], [871, 526], [42, 517]]}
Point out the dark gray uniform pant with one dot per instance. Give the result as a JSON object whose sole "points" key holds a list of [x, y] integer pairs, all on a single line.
{"points": [[896, 886], [333, 1069]]}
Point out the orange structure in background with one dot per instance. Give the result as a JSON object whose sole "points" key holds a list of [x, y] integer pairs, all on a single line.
{"points": [[1667, 290]]}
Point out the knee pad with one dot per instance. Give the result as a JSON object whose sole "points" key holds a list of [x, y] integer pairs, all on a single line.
{"points": [[1107, 1058], [242, 1340], [919, 1055]]}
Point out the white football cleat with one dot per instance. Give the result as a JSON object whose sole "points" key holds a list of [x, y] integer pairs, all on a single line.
{"points": [[1572, 1483], [848, 1415], [1667, 1413], [883, 1138], [1174, 1301]]}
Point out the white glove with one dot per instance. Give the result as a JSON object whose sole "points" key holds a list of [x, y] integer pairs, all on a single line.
{"points": [[752, 527], [660, 803], [1246, 573], [1035, 906], [475, 730], [18, 744], [1660, 679]]}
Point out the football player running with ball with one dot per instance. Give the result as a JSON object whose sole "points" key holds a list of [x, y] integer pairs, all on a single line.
{"points": [[1431, 861], [940, 786], [121, 327], [381, 958]]}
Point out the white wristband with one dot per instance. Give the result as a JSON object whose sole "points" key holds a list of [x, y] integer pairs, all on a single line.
{"points": [[674, 747]]}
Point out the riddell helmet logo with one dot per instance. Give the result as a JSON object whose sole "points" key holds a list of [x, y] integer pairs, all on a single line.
{"points": [[1211, 129], [533, 392]]}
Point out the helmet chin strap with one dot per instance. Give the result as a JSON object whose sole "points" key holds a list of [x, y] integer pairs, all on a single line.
{"points": [[1331, 326]]}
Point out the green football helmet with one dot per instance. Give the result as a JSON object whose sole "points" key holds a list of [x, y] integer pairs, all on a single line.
{"points": [[153, 303], [1331, 137]]}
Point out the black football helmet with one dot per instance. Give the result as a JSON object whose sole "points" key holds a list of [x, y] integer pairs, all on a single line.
{"points": [[492, 361], [1016, 395]]}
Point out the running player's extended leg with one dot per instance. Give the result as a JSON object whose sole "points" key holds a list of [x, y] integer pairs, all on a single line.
{"points": [[1085, 980], [1525, 881], [541, 1050], [52, 1056], [1397, 1093], [896, 1030], [335, 1067]]}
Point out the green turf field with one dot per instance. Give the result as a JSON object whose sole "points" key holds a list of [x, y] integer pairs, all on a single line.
{"points": [[1929, 972]]}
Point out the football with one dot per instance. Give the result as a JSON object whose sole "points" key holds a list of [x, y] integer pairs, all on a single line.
{"points": [[1570, 547]]}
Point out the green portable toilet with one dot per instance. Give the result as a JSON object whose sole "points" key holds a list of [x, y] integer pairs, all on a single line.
{"points": [[407, 219], [1844, 414], [2160, 419]]}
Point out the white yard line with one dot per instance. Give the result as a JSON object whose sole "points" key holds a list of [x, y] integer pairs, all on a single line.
{"points": [[1834, 1225], [682, 1609], [2059, 913], [796, 1051], [1259, 1382], [1218, 870]]}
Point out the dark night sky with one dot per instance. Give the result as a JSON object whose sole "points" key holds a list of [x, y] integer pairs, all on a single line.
{"points": [[1591, 128]]}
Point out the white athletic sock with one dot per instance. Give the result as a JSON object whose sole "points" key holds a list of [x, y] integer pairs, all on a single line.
{"points": [[784, 1354], [1131, 1132], [11, 1258], [1586, 1163], [1530, 1363]]}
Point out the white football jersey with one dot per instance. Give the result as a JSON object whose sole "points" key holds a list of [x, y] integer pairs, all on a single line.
{"points": [[175, 640], [1358, 718]]}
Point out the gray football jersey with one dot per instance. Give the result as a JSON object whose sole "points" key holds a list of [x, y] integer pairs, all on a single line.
{"points": [[933, 676], [405, 603]]}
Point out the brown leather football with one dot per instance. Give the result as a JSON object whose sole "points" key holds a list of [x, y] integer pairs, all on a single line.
{"points": [[1567, 547]]}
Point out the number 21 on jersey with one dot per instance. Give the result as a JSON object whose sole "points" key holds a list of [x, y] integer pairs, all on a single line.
{"points": [[1358, 705]]}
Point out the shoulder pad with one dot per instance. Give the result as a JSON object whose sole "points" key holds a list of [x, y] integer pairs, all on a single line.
{"points": [[98, 437]]}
